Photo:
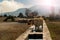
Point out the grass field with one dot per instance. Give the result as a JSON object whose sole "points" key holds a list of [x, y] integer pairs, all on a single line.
{"points": [[11, 30], [54, 28], [2, 18]]}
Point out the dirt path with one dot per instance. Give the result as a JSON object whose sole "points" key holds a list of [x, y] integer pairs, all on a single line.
{"points": [[46, 33]]}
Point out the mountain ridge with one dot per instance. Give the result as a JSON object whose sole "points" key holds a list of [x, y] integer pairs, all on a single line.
{"points": [[41, 10]]}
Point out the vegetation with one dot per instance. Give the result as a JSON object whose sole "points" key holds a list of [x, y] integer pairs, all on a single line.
{"points": [[31, 14], [54, 28], [21, 15], [11, 31], [27, 12], [5, 15], [9, 17]]}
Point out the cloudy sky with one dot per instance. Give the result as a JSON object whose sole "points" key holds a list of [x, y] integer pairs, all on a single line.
{"points": [[12, 5]]}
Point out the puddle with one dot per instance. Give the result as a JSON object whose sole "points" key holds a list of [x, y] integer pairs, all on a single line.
{"points": [[35, 37]]}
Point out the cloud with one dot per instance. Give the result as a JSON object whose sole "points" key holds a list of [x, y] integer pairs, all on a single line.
{"points": [[10, 5]]}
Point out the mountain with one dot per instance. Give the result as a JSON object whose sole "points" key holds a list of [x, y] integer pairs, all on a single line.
{"points": [[43, 11], [16, 13]]}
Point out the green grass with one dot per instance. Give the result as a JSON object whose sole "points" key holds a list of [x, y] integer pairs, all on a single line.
{"points": [[54, 28]]}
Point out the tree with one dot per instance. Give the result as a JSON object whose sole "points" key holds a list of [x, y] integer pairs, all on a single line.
{"points": [[10, 17], [33, 14], [27, 12], [52, 16], [5, 15], [57, 16], [21, 15]]}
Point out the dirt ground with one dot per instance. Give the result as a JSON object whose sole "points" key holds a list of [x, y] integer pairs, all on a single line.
{"points": [[11, 30]]}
